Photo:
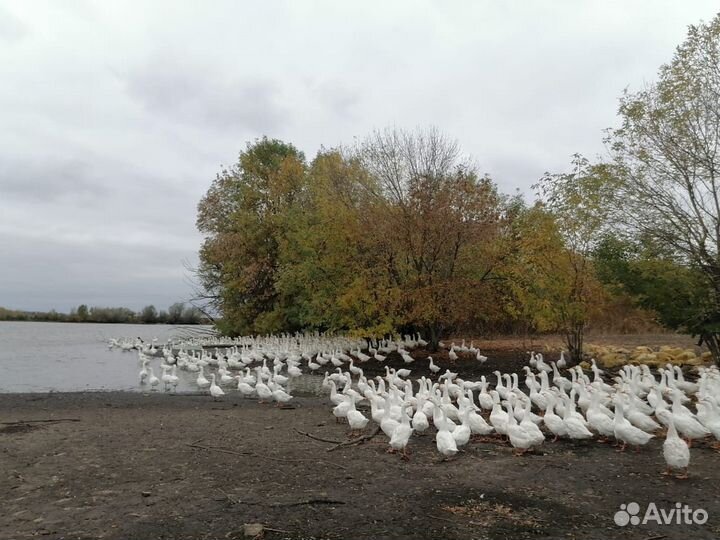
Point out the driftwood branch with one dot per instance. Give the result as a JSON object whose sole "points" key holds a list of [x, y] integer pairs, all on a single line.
{"points": [[309, 501], [316, 438], [358, 440], [46, 421], [313, 501], [261, 456]]}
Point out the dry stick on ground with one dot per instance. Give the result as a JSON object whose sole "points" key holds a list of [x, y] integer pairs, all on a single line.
{"points": [[309, 501], [235, 500], [235, 453], [49, 420], [315, 437], [358, 440]]}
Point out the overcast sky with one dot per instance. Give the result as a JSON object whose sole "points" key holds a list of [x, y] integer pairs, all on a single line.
{"points": [[115, 116]]}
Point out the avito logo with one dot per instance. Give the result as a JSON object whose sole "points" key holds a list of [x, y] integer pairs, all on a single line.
{"points": [[679, 514]]}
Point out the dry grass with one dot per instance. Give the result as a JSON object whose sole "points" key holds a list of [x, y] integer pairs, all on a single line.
{"points": [[487, 514]]}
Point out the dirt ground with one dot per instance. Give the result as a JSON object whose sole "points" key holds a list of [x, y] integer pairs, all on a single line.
{"points": [[135, 466]]}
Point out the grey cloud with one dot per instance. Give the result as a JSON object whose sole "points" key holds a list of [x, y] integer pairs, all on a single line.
{"points": [[205, 97], [49, 180], [60, 275]]}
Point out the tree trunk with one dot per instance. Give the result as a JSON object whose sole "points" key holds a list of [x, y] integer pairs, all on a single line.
{"points": [[434, 341], [574, 340], [712, 340]]}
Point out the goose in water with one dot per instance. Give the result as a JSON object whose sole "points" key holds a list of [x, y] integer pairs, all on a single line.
{"points": [[152, 379], [144, 371], [167, 378], [201, 380], [676, 452]]}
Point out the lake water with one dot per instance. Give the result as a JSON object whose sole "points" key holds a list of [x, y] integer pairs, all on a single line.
{"points": [[74, 357]]}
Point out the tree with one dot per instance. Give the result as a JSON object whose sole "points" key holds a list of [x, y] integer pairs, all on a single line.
{"points": [[666, 156], [175, 313], [559, 244], [243, 219], [82, 312], [331, 273], [651, 277], [148, 315], [436, 224]]}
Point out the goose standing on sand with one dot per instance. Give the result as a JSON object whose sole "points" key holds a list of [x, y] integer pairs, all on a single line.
{"points": [[443, 438], [401, 434], [244, 388], [676, 452], [420, 422], [355, 418], [264, 393], [626, 432], [433, 367], [519, 438]]}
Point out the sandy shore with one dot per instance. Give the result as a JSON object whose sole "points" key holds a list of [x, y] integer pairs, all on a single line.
{"points": [[134, 466]]}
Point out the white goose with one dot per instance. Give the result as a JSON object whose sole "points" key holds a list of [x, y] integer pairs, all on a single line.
{"points": [[401, 435], [355, 418], [263, 391], [201, 380], [626, 432], [443, 438], [215, 391], [519, 438], [152, 379], [676, 452], [244, 388]]}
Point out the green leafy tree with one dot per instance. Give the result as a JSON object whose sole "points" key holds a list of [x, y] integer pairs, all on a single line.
{"points": [[243, 219], [665, 154], [559, 242]]}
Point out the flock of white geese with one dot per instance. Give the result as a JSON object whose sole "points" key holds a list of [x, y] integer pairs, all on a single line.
{"points": [[567, 404]]}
